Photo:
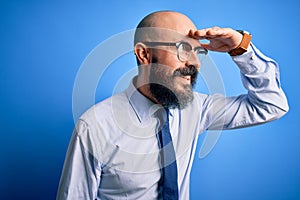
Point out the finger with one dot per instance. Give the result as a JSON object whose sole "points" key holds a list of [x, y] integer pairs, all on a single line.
{"points": [[215, 28], [215, 32], [208, 47], [209, 33], [192, 33], [200, 34]]}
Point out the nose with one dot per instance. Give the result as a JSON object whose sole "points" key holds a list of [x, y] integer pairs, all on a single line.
{"points": [[193, 60]]}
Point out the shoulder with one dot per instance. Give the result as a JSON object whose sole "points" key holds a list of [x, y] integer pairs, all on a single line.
{"points": [[104, 110], [200, 99], [200, 96], [207, 101], [97, 125]]}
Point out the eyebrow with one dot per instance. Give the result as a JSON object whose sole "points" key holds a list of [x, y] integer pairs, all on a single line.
{"points": [[198, 44]]}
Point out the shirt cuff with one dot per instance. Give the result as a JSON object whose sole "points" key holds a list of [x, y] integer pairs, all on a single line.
{"points": [[251, 61]]}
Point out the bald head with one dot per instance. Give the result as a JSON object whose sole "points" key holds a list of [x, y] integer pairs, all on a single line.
{"points": [[162, 26]]}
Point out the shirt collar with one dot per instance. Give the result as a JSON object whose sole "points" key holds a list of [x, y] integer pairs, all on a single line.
{"points": [[142, 106]]}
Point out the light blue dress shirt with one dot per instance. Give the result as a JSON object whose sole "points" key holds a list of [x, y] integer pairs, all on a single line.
{"points": [[114, 152]]}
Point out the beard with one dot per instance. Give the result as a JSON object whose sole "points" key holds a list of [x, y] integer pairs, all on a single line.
{"points": [[165, 89]]}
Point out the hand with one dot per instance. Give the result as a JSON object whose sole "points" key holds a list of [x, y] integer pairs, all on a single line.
{"points": [[221, 39]]}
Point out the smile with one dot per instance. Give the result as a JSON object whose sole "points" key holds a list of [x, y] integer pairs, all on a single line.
{"points": [[188, 78]]}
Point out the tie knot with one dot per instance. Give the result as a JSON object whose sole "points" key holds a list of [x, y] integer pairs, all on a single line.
{"points": [[163, 115]]}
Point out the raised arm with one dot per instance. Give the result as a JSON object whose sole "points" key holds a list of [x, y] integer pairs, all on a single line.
{"points": [[265, 100]]}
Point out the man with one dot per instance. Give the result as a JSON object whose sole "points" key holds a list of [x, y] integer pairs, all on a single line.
{"points": [[140, 144]]}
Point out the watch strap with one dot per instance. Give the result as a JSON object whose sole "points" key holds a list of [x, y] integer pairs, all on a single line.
{"points": [[242, 48]]}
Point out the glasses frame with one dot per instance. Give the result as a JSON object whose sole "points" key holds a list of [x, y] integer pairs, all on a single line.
{"points": [[199, 50]]}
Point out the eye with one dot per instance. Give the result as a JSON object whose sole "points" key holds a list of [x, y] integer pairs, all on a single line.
{"points": [[200, 50], [184, 46]]}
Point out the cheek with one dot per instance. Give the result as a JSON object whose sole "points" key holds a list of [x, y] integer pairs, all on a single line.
{"points": [[171, 61], [168, 59]]}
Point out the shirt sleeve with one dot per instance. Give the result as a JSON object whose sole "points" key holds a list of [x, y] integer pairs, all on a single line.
{"points": [[81, 172], [265, 100]]}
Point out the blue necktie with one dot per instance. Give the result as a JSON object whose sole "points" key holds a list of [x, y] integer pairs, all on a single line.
{"points": [[168, 181]]}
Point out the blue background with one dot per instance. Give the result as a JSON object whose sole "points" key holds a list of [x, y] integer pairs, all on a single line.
{"points": [[43, 44]]}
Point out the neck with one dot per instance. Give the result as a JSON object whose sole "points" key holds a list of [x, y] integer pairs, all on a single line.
{"points": [[142, 85]]}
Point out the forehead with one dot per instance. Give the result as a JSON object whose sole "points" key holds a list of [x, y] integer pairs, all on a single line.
{"points": [[176, 37], [194, 42], [155, 34]]}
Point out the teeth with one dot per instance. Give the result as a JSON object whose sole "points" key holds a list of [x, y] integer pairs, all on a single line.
{"points": [[186, 77]]}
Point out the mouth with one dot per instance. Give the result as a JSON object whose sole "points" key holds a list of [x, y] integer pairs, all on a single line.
{"points": [[187, 75], [185, 79], [188, 78]]}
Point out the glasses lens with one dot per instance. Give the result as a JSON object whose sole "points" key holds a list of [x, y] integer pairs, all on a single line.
{"points": [[201, 52], [184, 51]]}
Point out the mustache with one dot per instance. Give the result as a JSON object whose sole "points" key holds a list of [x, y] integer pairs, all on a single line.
{"points": [[191, 70], [187, 71]]}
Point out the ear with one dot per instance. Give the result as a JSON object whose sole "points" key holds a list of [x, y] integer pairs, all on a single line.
{"points": [[142, 53]]}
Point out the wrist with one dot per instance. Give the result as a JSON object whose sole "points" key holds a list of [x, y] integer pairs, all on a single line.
{"points": [[243, 46]]}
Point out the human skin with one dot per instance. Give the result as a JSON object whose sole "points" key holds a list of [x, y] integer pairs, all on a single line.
{"points": [[220, 39]]}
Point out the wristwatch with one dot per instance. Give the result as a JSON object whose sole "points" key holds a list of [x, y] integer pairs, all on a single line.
{"points": [[242, 48]]}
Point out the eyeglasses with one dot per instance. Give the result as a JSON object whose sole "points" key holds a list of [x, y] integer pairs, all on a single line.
{"points": [[184, 49]]}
